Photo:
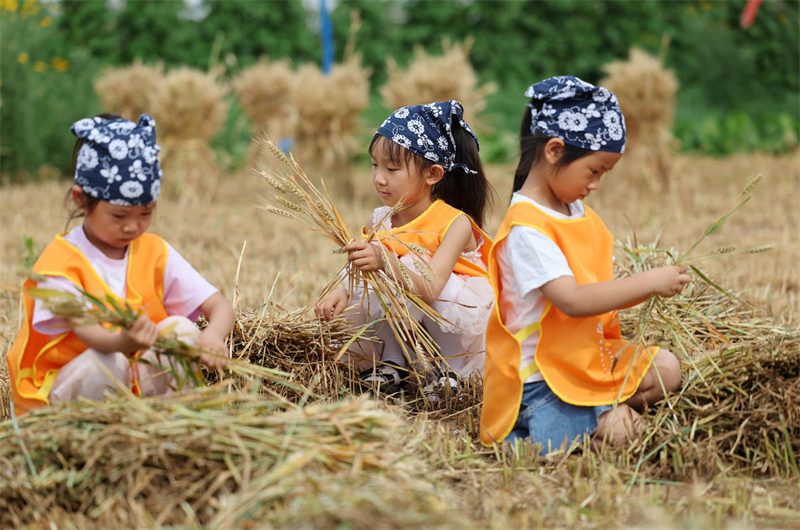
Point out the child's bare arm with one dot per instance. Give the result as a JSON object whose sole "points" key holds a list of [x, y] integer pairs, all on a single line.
{"points": [[140, 336], [597, 298], [221, 319]]}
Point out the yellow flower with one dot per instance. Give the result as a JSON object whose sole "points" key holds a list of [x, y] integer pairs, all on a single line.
{"points": [[59, 64], [29, 8], [22, 58], [46, 21], [40, 66], [11, 5]]}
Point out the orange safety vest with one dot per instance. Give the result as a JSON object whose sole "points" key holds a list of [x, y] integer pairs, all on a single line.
{"points": [[429, 229], [584, 361], [34, 359]]}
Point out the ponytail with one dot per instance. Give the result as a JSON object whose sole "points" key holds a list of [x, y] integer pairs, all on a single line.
{"points": [[469, 192]]}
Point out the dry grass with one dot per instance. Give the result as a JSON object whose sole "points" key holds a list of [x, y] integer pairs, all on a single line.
{"points": [[217, 459], [448, 480], [646, 93], [130, 91], [423, 81]]}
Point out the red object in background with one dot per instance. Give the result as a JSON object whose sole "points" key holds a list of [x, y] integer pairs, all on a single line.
{"points": [[749, 13]]}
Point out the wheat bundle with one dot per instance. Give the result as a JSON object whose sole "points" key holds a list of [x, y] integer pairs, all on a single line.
{"points": [[189, 111], [432, 78], [327, 110], [130, 91], [737, 410], [211, 458], [294, 344], [646, 93], [264, 91]]}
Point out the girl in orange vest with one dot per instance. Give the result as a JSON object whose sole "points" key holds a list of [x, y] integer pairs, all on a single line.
{"points": [[117, 183], [556, 366], [426, 156]]}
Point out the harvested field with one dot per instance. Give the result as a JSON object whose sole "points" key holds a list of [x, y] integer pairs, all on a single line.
{"points": [[722, 453]]}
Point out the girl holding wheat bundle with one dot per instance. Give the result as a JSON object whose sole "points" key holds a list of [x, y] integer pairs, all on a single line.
{"points": [[556, 366], [117, 183], [427, 171]]}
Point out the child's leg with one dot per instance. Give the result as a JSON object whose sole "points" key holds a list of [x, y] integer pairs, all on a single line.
{"points": [[84, 376], [616, 427], [155, 381], [665, 369]]}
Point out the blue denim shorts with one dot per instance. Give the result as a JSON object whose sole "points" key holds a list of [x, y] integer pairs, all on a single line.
{"points": [[545, 419]]}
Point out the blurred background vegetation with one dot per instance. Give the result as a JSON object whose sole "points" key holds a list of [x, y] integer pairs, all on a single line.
{"points": [[739, 89]]}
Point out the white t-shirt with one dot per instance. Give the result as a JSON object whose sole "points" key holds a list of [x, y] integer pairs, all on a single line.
{"points": [[527, 260], [185, 289]]}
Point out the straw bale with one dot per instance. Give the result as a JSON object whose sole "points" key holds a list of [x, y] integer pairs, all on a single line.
{"points": [[646, 93], [737, 411], [217, 459], [264, 91], [191, 105], [422, 81], [327, 113], [293, 343], [190, 110], [130, 91]]}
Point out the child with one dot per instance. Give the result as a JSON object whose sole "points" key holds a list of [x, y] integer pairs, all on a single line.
{"points": [[426, 156], [556, 367], [117, 183]]}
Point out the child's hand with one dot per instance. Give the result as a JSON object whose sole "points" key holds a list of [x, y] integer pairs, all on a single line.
{"points": [[215, 346], [365, 256], [142, 335], [333, 305], [669, 281]]}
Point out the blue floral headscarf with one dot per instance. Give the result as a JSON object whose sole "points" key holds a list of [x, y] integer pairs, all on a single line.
{"points": [[118, 161], [579, 113], [427, 131]]}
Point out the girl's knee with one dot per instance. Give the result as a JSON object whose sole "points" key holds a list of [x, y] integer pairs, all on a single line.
{"points": [[669, 369], [618, 426]]}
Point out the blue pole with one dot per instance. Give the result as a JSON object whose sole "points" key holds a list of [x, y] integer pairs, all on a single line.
{"points": [[326, 35]]}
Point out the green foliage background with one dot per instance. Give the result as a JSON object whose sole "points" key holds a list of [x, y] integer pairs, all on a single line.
{"points": [[739, 90]]}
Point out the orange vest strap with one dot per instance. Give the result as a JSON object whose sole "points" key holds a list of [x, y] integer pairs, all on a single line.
{"points": [[428, 230]]}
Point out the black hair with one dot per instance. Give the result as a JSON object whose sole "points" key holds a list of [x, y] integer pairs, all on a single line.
{"points": [[531, 147], [469, 192], [91, 202]]}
